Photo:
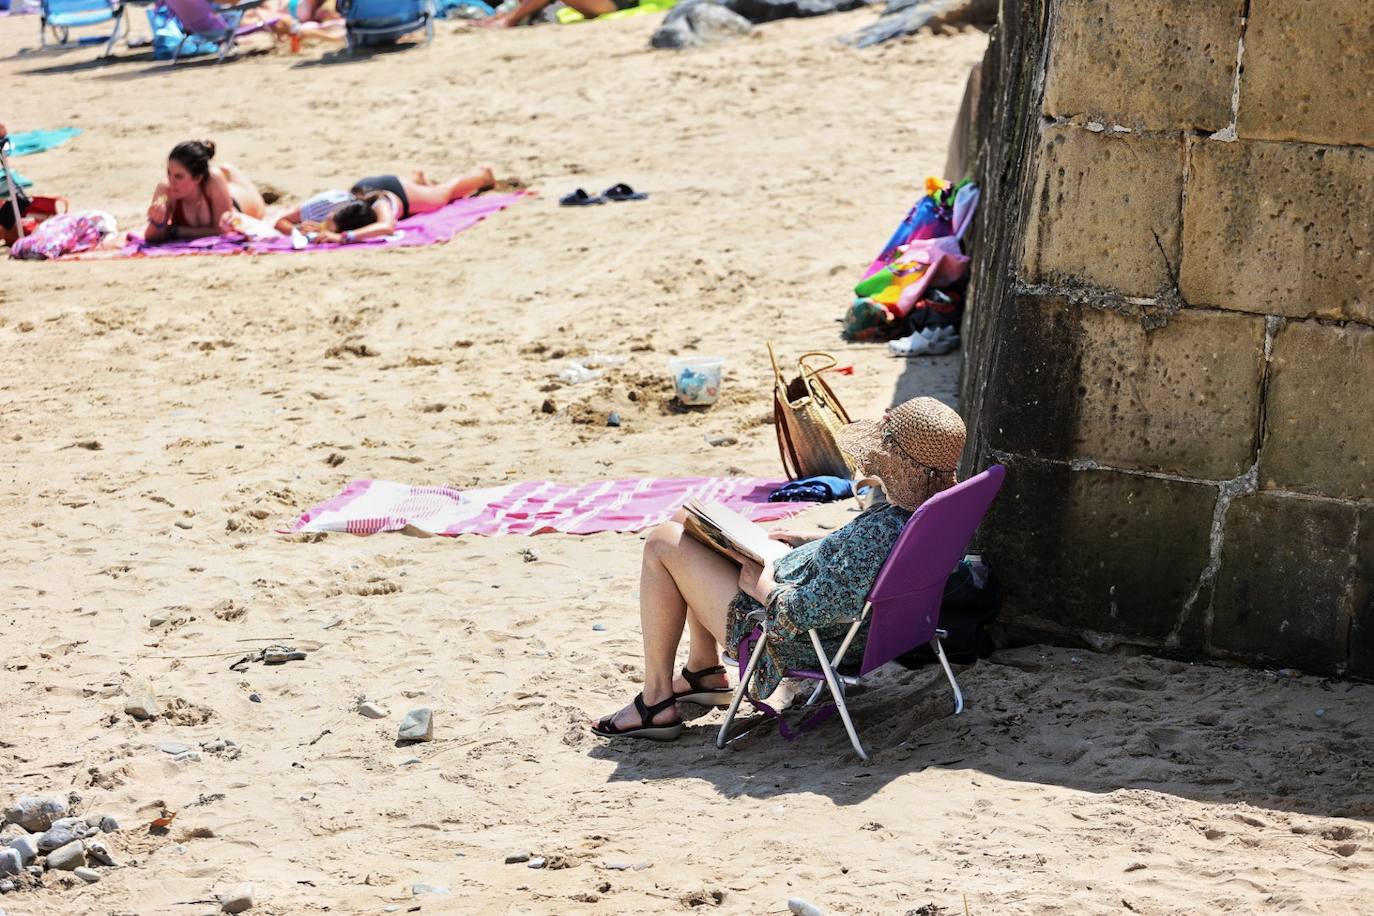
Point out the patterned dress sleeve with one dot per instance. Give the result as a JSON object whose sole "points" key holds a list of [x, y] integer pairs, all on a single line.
{"points": [[833, 585]]}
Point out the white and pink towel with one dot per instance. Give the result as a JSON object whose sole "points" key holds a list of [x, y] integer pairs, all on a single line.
{"points": [[537, 507]]}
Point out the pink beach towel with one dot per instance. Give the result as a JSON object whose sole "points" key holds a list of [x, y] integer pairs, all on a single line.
{"points": [[537, 507], [422, 229]]}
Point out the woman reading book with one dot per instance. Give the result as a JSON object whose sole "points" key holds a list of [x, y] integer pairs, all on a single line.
{"points": [[914, 450]]}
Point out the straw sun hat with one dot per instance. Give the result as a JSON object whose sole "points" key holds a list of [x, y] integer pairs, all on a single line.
{"points": [[914, 449]]}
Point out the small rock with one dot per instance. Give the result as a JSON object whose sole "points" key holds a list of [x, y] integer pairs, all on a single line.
{"points": [[73, 855], [143, 707], [693, 25], [187, 757], [35, 870], [183, 523], [254, 698], [26, 846], [418, 889], [599, 627], [409, 761], [36, 813], [108, 824], [613, 420], [800, 907], [11, 863], [418, 725], [157, 620], [89, 875], [535, 862], [173, 747], [515, 858], [214, 747], [236, 899], [718, 441], [1321, 713], [390, 908], [6, 887], [98, 852], [529, 555], [548, 406], [627, 866], [373, 711], [62, 832]]}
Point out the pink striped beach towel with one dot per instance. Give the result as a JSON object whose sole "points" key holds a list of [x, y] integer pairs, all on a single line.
{"points": [[537, 507]]}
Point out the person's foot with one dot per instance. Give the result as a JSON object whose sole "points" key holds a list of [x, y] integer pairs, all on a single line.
{"points": [[494, 22], [628, 717], [488, 178], [716, 681], [419, 177]]}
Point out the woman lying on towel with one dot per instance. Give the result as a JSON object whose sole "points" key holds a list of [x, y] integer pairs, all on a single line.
{"points": [[914, 450], [199, 195], [375, 205]]}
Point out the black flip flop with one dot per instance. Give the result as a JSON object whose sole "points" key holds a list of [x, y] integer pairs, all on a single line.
{"points": [[580, 198], [699, 693], [623, 192], [670, 731]]}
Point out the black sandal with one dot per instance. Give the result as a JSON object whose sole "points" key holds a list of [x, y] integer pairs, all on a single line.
{"points": [[699, 693], [606, 728]]}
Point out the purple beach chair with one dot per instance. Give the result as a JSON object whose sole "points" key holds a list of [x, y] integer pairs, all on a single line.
{"points": [[903, 604], [221, 25]]}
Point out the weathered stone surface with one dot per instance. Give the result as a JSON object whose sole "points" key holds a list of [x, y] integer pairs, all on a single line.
{"points": [[697, 24], [1283, 591], [1318, 436], [1309, 72], [65, 858], [418, 725], [1087, 383], [36, 813], [1362, 599], [1100, 201], [236, 899], [1280, 228], [1096, 551], [1162, 65]]}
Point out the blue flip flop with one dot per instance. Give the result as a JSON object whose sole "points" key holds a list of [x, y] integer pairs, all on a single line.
{"points": [[623, 192], [580, 198]]}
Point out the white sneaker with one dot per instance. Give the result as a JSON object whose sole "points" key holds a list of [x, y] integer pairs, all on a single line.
{"points": [[927, 342]]}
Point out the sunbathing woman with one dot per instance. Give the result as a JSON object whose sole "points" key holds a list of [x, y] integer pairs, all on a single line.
{"points": [[914, 450], [199, 195], [527, 8], [384, 200]]}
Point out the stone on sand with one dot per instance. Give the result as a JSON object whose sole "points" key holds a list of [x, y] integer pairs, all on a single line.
{"points": [[97, 851], [68, 857], [36, 813], [699, 23], [418, 725], [27, 847], [11, 863], [373, 710], [62, 832], [143, 707], [89, 875], [236, 899], [800, 907]]}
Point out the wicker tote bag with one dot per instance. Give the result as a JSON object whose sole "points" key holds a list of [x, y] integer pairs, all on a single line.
{"points": [[806, 416]]}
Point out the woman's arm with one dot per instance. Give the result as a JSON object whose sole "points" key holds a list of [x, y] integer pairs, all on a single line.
{"points": [[384, 226], [288, 221], [839, 575]]}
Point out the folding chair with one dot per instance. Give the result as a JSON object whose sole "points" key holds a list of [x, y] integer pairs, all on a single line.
{"points": [[903, 606], [10, 193], [220, 25], [371, 21], [64, 15]]}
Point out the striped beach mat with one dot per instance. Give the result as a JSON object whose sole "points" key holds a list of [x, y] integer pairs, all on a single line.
{"points": [[536, 507]]}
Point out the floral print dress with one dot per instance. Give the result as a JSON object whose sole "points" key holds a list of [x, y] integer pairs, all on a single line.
{"points": [[820, 584]]}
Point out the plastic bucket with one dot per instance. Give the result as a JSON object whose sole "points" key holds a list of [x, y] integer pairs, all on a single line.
{"points": [[697, 379]]}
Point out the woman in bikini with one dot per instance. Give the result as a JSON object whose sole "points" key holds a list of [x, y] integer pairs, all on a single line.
{"points": [[199, 195], [380, 202]]}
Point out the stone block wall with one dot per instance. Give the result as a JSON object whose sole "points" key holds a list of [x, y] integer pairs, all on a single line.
{"points": [[1170, 342]]}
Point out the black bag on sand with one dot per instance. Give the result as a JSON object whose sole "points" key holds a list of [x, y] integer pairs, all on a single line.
{"points": [[965, 612]]}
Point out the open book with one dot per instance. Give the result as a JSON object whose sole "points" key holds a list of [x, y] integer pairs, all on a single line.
{"points": [[723, 530]]}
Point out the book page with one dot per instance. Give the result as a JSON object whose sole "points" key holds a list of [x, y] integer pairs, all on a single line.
{"points": [[721, 528]]}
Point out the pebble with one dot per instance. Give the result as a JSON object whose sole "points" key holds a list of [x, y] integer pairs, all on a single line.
{"points": [[157, 620], [89, 875], [613, 420], [390, 908], [718, 441], [515, 858], [73, 855], [36, 813], [236, 899], [11, 863], [62, 832], [6, 887], [187, 757], [535, 862], [97, 851], [627, 866], [26, 846], [418, 889], [600, 627], [800, 907], [183, 523], [254, 698], [214, 747], [108, 824], [1321, 713], [173, 747], [144, 707], [373, 711], [418, 725]]}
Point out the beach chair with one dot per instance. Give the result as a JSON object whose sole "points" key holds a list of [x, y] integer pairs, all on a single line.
{"points": [[10, 194], [903, 606], [375, 21], [61, 16], [221, 26]]}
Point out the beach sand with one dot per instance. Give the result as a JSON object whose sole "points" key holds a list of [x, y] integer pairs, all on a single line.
{"points": [[162, 419]]}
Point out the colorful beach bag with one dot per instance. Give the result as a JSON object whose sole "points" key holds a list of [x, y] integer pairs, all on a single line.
{"points": [[66, 233], [806, 417]]}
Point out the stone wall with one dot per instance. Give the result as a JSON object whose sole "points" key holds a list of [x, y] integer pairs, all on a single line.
{"points": [[1171, 337]]}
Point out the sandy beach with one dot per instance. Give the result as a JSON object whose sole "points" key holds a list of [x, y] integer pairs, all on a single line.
{"points": [[164, 419]]}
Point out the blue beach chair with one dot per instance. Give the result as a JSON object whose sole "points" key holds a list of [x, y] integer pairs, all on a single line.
{"points": [[378, 21], [61, 16], [219, 26]]}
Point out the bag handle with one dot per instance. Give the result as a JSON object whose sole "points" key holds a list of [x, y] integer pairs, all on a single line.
{"points": [[787, 450], [777, 372], [807, 369]]}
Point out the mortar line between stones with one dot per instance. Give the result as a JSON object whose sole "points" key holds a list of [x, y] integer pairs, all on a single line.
{"points": [[1350, 581]]}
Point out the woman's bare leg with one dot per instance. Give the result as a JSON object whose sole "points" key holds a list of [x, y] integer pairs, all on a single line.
{"points": [[681, 581], [244, 192], [425, 196]]}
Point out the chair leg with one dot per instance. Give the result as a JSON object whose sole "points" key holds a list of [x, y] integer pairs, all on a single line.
{"points": [[120, 26], [839, 653], [837, 692], [944, 663], [724, 737]]}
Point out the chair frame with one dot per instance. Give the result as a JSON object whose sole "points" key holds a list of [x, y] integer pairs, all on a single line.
{"points": [[227, 40], [118, 15], [12, 186], [356, 31]]}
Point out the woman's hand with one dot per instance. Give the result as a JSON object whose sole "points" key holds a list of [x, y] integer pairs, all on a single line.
{"points": [[326, 237], [756, 581], [795, 538], [157, 211]]}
